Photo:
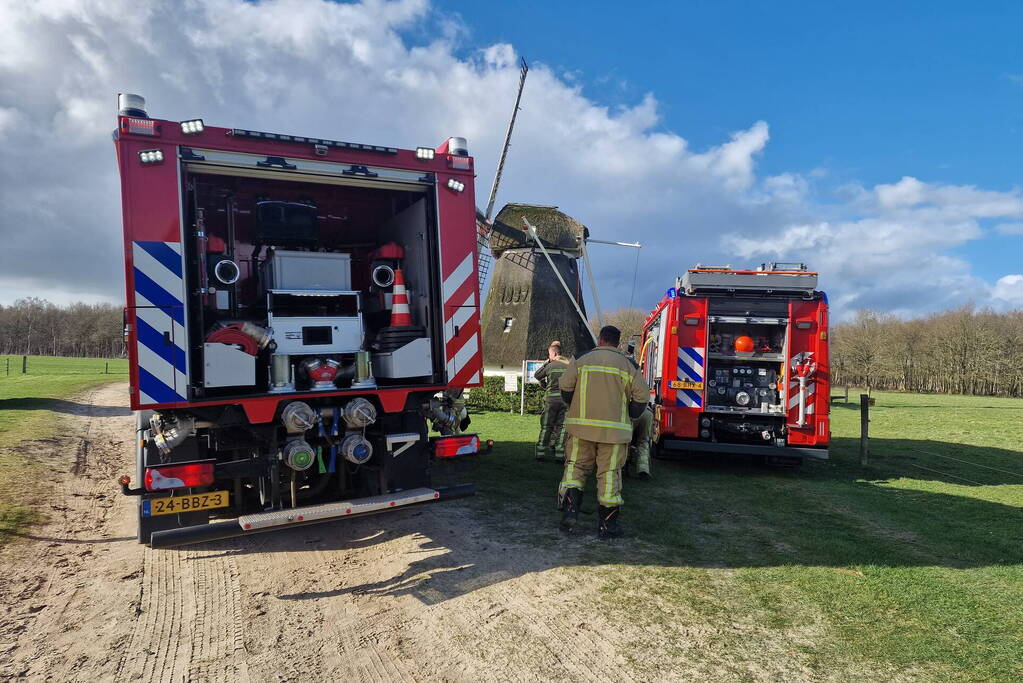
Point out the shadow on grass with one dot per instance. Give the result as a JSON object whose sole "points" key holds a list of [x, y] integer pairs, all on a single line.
{"points": [[712, 513], [59, 405]]}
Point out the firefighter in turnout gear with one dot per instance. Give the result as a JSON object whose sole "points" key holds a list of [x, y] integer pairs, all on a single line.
{"points": [[605, 393], [552, 420], [642, 428]]}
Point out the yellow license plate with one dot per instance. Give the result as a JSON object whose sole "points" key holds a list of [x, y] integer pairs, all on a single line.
{"points": [[192, 502], [679, 384]]}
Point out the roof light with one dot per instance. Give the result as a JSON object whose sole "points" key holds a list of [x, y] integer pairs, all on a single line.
{"points": [[129, 104], [151, 156], [424, 153], [456, 185], [192, 127], [179, 476], [458, 146]]}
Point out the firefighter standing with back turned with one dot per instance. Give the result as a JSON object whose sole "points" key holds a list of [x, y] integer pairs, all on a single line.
{"points": [[552, 419], [605, 392]]}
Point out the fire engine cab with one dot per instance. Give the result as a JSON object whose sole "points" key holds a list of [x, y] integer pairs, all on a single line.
{"points": [[737, 362]]}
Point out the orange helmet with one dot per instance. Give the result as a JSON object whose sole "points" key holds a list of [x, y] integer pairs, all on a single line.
{"points": [[744, 344]]}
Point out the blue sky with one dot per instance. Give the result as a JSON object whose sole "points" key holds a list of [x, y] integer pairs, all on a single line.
{"points": [[865, 91], [879, 142]]}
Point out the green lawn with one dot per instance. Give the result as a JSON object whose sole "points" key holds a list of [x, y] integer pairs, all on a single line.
{"points": [[30, 408], [912, 566]]}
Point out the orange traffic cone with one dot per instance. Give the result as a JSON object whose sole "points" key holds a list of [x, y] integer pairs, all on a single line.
{"points": [[401, 315]]}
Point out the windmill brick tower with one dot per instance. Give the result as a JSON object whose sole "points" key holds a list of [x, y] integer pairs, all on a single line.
{"points": [[526, 307]]}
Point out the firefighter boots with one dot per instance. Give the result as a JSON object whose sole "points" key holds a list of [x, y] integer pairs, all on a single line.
{"points": [[608, 520], [570, 509]]}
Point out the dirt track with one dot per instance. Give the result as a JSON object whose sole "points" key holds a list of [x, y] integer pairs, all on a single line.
{"points": [[417, 595]]}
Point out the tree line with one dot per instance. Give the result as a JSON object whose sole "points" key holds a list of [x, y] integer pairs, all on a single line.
{"points": [[36, 327], [963, 351]]}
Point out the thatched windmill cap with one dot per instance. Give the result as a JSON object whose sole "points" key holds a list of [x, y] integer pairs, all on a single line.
{"points": [[556, 230]]}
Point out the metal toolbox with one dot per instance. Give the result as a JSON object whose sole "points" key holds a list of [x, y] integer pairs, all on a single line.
{"points": [[307, 270]]}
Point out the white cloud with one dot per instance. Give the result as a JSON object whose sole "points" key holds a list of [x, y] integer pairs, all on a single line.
{"points": [[1009, 289], [398, 73]]}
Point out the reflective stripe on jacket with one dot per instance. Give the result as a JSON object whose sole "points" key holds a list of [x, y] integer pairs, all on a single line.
{"points": [[604, 382], [552, 371]]}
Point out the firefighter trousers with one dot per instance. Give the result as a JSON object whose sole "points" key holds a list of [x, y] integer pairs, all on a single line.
{"points": [[581, 458], [642, 428], [552, 430]]}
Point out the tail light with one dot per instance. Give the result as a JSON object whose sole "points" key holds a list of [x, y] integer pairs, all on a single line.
{"points": [[179, 476], [454, 446]]}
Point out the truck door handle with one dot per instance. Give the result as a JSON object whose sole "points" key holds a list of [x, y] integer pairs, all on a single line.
{"points": [[457, 328], [167, 339]]}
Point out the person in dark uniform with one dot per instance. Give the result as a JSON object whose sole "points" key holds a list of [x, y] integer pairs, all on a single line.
{"points": [[552, 420]]}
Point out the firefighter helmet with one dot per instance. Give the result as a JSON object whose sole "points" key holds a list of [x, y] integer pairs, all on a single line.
{"points": [[744, 344]]}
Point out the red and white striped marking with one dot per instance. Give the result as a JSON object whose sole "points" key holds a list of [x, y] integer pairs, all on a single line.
{"points": [[462, 324]]}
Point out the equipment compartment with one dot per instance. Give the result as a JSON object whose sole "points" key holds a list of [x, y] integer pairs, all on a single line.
{"points": [[301, 277]]}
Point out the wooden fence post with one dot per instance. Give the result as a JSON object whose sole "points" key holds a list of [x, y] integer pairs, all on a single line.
{"points": [[24, 364], [864, 426], [106, 368], [846, 393]]}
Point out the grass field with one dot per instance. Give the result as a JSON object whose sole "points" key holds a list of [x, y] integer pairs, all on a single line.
{"points": [[30, 406], [913, 565]]}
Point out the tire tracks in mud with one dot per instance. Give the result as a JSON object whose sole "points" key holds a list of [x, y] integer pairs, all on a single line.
{"points": [[410, 596]]}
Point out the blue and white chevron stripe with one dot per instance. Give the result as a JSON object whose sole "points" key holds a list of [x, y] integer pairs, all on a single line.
{"points": [[160, 309], [690, 369]]}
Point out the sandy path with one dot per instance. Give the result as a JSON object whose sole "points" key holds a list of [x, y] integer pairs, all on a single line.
{"points": [[417, 595]]}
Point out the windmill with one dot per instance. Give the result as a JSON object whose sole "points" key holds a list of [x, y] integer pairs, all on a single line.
{"points": [[536, 293], [529, 303]]}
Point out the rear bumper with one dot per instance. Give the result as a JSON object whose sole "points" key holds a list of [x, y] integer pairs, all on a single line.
{"points": [[311, 514], [743, 449]]}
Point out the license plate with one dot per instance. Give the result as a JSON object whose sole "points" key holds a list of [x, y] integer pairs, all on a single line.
{"points": [[679, 384], [192, 502]]}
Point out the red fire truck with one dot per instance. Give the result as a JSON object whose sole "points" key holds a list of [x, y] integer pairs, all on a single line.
{"points": [[737, 362], [297, 309]]}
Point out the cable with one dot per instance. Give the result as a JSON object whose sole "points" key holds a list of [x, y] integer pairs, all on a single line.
{"points": [[635, 276], [946, 474], [967, 462]]}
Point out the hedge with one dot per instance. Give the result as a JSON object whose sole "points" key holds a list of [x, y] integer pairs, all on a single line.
{"points": [[492, 396]]}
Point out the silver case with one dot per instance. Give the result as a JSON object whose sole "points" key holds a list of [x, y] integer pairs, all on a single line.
{"points": [[307, 270], [227, 366], [415, 359]]}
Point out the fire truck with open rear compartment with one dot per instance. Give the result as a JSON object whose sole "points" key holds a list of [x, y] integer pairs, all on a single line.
{"points": [[297, 309], [737, 362]]}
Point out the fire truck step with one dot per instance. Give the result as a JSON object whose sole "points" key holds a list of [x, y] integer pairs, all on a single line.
{"points": [[280, 519]]}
